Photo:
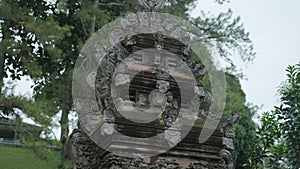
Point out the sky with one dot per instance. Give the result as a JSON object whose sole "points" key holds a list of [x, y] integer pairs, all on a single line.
{"points": [[274, 27]]}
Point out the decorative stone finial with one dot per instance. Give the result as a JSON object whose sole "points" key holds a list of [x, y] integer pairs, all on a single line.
{"points": [[152, 4]]}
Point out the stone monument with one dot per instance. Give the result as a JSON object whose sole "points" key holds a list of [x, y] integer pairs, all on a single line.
{"points": [[152, 106]]}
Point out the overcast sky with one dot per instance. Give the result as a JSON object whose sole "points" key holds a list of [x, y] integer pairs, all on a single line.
{"points": [[274, 27]]}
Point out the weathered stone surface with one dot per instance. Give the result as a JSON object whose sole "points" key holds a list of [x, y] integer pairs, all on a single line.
{"points": [[87, 155], [141, 64]]}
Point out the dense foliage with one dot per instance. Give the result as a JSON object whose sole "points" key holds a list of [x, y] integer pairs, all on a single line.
{"points": [[277, 140], [245, 127]]}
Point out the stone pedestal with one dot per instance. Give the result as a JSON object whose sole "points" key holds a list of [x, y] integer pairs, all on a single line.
{"points": [[187, 154]]}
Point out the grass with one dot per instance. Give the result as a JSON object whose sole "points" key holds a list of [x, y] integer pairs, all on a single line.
{"points": [[22, 158]]}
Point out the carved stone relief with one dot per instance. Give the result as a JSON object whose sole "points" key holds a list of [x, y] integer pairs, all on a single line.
{"points": [[227, 124], [152, 4], [105, 77], [226, 155], [87, 155]]}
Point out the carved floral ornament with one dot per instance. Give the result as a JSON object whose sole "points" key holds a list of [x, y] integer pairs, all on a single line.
{"points": [[110, 46], [152, 4]]}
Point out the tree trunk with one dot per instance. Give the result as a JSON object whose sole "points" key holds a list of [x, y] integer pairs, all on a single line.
{"points": [[18, 130], [64, 123], [2, 60], [93, 27], [3, 45]]}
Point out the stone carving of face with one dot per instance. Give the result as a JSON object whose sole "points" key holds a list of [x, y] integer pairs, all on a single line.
{"points": [[163, 86]]}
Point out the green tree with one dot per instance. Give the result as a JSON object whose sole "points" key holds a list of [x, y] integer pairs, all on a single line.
{"points": [[228, 36], [278, 138], [26, 42], [290, 111], [14, 107], [16, 48], [267, 148]]}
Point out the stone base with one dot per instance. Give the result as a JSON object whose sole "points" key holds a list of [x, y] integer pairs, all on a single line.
{"points": [[116, 162], [88, 155]]}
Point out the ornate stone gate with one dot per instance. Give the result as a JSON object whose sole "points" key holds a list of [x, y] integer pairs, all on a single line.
{"points": [[147, 105]]}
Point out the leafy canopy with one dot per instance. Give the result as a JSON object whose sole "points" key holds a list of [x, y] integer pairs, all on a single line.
{"points": [[277, 140]]}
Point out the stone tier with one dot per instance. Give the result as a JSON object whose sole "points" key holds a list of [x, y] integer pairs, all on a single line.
{"points": [[215, 152]]}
